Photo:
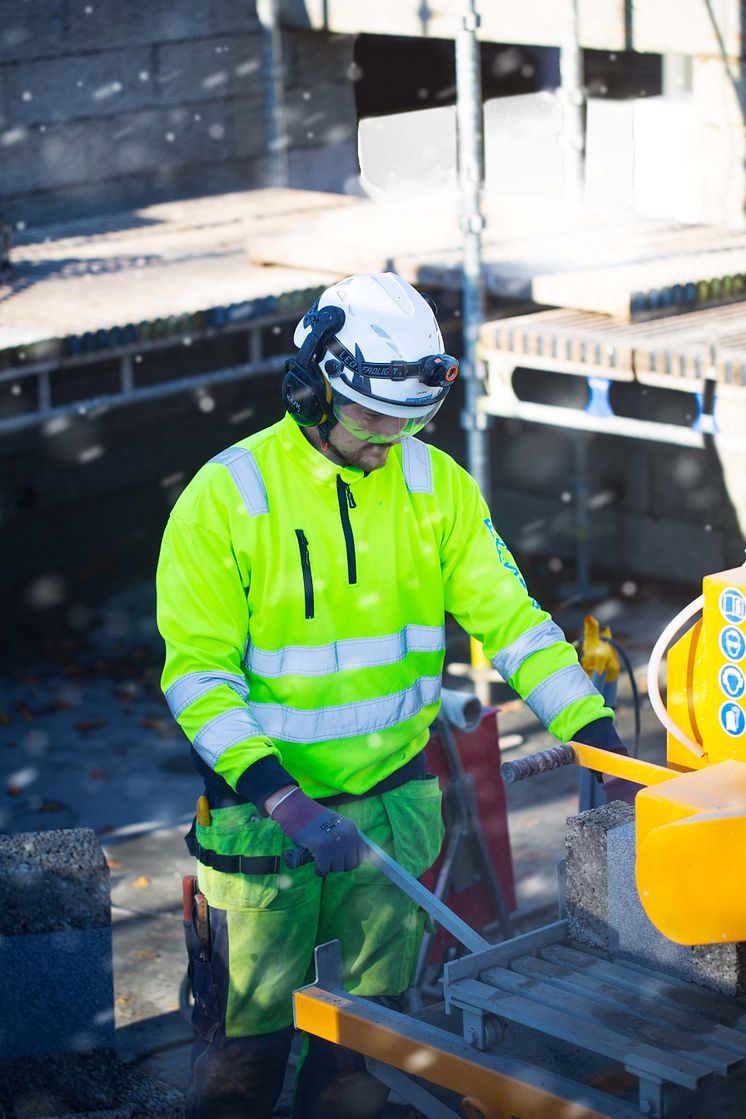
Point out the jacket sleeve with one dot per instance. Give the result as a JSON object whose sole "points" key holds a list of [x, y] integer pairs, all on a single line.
{"points": [[203, 619], [487, 595]]}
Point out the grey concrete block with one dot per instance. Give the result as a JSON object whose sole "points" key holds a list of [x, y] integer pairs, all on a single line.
{"points": [[208, 69], [311, 57], [84, 1085], [676, 549], [34, 29], [160, 139], [52, 881], [632, 936], [229, 16], [331, 168], [251, 128], [78, 87], [58, 992], [586, 871], [43, 157], [322, 115], [109, 22], [721, 967]]}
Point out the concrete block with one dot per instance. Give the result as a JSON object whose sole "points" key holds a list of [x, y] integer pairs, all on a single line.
{"points": [[52, 881], [316, 56], [722, 175], [55, 944], [323, 115], [97, 22], [587, 873], [58, 993], [665, 157], [158, 139], [688, 27], [670, 549], [720, 966], [250, 124], [632, 936], [719, 86], [229, 16], [210, 69], [43, 157], [610, 152], [80, 86], [34, 29], [331, 168], [692, 483], [522, 152]]}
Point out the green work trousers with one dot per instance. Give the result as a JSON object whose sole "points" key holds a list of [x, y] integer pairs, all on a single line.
{"points": [[274, 921]]}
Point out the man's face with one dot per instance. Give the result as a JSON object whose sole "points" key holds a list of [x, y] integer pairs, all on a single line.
{"points": [[357, 450]]}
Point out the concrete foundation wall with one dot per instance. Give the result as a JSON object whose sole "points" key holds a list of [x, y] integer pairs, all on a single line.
{"points": [[107, 106]]}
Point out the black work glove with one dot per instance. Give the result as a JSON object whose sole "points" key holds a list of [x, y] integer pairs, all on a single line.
{"points": [[602, 734], [333, 840]]}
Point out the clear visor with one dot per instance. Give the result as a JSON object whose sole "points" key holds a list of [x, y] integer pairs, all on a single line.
{"points": [[374, 427]]}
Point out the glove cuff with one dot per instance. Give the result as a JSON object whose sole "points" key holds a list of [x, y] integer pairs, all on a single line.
{"points": [[295, 811]]}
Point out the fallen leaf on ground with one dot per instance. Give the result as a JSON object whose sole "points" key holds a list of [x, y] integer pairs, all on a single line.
{"points": [[83, 726], [146, 954], [114, 864], [141, 883]]}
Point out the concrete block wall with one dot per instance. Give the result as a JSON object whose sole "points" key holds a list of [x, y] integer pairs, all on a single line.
{"points": [[105, 105], [656, 511]]}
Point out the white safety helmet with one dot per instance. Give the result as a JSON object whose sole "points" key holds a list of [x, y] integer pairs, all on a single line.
{"points": [[385, 352]]}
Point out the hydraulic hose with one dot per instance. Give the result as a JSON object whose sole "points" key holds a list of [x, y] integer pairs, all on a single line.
{"points": [[654, 665]]}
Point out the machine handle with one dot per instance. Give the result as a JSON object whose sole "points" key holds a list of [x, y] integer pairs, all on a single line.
{"points": [[553, 758], [297, 856]]}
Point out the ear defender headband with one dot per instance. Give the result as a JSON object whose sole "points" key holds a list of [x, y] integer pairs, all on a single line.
{"points": [[306, 393]]}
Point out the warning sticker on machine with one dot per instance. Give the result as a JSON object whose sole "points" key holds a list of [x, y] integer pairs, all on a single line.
{"points": [[732, 681], [732, 643], [732, 719], [733, 605]]}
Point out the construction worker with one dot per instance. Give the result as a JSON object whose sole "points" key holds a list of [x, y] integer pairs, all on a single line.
{"points": [[303, 583]]}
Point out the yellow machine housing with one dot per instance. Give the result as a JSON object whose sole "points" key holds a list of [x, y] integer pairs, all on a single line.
{"points": [[707, 676]]}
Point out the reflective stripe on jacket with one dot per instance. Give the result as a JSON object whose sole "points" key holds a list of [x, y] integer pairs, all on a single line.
{"points": [[303, 609]]}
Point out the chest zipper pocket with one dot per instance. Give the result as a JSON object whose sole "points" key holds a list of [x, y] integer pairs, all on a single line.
{"points": [[305, 563]]}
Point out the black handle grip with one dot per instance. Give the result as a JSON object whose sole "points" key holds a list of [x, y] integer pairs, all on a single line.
{"points": [[553, 758], [297, 856]]}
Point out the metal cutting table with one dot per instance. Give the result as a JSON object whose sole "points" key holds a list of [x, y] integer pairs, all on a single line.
{"points": [[643, 1043]]}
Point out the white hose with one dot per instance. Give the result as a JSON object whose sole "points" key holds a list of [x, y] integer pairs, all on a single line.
{"points": [[654, 666]]}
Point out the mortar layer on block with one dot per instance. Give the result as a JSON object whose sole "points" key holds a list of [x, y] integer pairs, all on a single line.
{"points": [[587, 871], [83, 1086], [53, 881]]}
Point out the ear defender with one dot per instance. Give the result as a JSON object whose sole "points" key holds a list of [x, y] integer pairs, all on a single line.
{"points": [[306, 393]]}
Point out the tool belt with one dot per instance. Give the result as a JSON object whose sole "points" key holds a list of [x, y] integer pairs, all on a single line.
{"points": [[413, 770]]}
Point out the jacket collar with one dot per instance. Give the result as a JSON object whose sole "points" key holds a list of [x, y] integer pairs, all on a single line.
{"points": [[294, 442]]}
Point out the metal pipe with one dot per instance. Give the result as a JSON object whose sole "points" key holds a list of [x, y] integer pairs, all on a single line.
{"points": [[572, 97], [469, 118], [139, 395], [273, 72]]}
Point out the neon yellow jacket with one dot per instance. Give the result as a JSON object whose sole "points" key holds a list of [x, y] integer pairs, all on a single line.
{"points": [[303, 604]]}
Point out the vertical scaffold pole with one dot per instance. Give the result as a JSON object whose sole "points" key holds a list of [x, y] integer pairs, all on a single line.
{"points": [[470, 130]]}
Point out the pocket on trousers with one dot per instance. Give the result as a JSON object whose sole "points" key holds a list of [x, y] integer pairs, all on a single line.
{"points": [[415, 814], [240, 830], [206, 1010]]}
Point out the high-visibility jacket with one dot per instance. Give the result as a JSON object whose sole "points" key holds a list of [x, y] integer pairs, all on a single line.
{"points": [[303, 608]]}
